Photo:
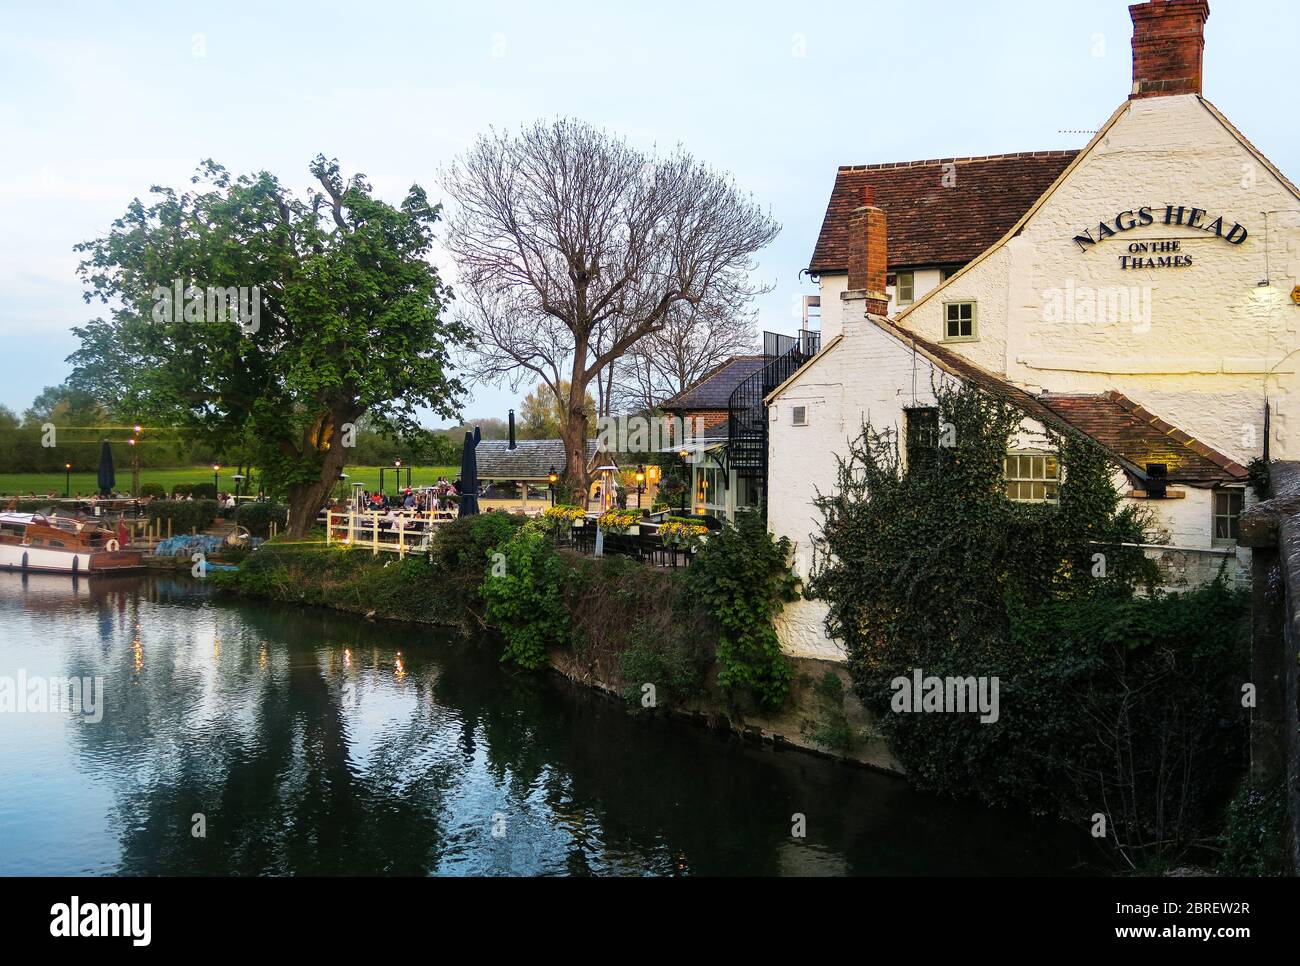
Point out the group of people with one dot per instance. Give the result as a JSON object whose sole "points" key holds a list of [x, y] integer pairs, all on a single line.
{"points": [[439, 497]]}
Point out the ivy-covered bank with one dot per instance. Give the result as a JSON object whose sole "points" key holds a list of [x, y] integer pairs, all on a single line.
{"points": [[1120, 708], [702, 631]]}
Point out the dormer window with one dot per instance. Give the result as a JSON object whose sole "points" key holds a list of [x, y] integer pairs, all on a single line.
{"points": [[905, 288]]}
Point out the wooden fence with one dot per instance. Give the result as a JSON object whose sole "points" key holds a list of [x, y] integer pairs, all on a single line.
{"points": [[404, 532]]}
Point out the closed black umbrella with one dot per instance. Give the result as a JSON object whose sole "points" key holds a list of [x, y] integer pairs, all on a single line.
{"points": [[107, 478], [469, 474]]}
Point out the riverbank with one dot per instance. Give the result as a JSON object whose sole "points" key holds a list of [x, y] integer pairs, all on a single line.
{"points": [[698, 644], [614, 604]]}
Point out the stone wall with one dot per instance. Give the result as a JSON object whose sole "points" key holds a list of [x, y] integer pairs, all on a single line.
{"points": [[1272, 530]]}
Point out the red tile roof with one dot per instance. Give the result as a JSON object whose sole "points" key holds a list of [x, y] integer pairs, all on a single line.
{"points": [[928, 223], [1141, 437], [1122, 427]]}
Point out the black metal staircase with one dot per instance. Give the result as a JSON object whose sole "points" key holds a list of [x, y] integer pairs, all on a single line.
{"points": [[783, 356]]}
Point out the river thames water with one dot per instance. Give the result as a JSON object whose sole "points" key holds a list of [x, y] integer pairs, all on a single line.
{"points": [[300, 741]]}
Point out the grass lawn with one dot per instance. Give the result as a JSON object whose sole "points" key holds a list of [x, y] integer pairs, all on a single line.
{"points": [[45, 483]]}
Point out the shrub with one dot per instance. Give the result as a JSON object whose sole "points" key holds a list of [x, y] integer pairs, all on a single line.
{"points": [[632, 625], [523, 598], [1109, 702], [742, 577], [152, 490], [182, 489], [461, 548], [204, 491], [1257, 830], [184, 514], [256, 517]]}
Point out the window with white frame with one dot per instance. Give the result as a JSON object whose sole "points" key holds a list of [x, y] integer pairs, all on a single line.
{"points": [[799, 415], [1032, 477], [1227, 516], [905, 288], [959, 321]]}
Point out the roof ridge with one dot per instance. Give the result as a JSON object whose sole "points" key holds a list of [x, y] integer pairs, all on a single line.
{"points": [[1055, 153]]}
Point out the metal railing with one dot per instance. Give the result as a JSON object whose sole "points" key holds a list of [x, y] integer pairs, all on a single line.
{"points": [[746, 413]]}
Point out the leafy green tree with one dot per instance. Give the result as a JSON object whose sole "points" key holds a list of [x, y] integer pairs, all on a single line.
{"points": [[342, 315], [541, 414]]}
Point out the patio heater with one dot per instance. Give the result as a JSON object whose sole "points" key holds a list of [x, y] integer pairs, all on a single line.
{"points": [[687, 481], [239, 482]]}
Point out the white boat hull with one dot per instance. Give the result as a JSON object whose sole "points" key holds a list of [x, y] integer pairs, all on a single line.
{"points": [[53, 560]]}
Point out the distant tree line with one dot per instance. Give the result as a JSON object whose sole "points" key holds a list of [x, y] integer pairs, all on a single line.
{"points": [[80, 422]]}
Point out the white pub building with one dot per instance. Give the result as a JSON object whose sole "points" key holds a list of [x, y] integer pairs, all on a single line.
{"points": [[1142, 290]]}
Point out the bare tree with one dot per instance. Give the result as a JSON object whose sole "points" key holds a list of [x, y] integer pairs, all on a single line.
{"points": [[696, 340], [572, 247]]}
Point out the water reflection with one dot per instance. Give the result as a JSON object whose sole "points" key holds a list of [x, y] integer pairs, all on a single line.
{"points": [[316, 743]]}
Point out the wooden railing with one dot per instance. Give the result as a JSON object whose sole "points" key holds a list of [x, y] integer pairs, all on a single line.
{"points": [[407, 531]]}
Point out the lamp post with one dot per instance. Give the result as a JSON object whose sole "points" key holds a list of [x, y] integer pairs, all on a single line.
{"points": [[137, 429], [551, 477], [216, 480], [640, 484], [687, 481], [67, 480], [397, 475]]}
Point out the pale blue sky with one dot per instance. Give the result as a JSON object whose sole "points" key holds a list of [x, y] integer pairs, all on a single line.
{"points": [[99, 100]]}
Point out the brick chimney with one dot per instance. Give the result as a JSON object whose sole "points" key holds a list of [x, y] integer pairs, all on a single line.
{"points": [[1168, 42], [868, 253]]}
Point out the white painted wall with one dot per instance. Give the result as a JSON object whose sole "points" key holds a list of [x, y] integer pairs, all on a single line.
{"points": [[833, 286], [870, 376], [1201, 344]]}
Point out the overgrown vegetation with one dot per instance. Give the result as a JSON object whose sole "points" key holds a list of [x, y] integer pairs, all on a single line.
{"points": [[742, 577], [831, 728], [1257, 833], [256, 518], [1110, 703], [523, 597]]}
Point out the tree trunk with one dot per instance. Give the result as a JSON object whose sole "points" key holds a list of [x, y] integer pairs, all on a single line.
{"points": [[574, 435], [306, 499]]}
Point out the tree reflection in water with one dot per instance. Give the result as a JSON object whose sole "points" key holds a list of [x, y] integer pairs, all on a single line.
{"points": [[311, 747]]}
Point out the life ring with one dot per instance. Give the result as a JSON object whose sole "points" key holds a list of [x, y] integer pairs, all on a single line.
{"points": [[111, 544]]}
